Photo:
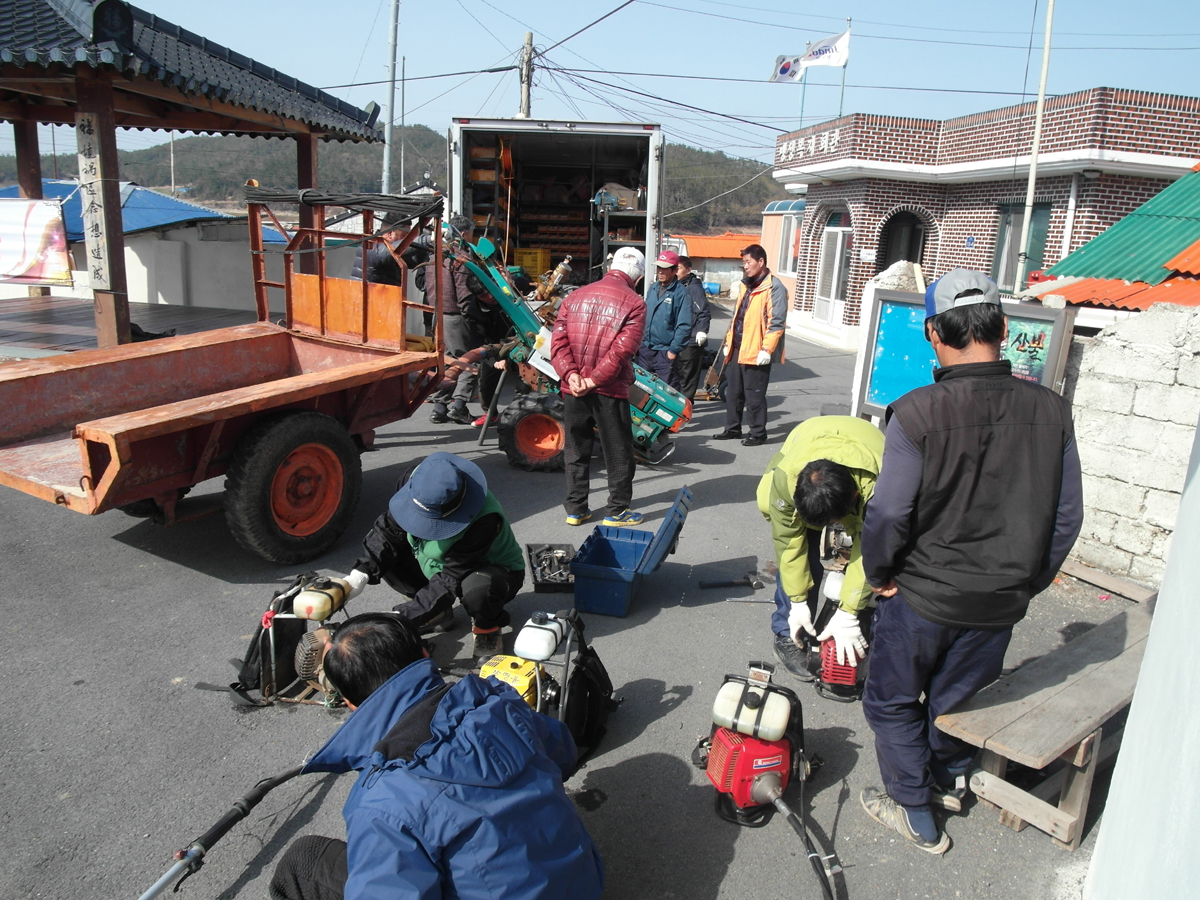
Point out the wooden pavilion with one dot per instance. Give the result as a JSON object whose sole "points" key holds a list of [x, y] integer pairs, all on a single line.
{"points": [[105, 65]]}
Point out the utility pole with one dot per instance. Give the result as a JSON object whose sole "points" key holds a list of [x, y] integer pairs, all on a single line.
{"points": [[172, 162], [385, 183], [1023, 256], [526, 75], [403, 61]]}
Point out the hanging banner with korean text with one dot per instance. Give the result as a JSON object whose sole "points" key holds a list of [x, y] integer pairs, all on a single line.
{"points": [[33, 243], [92, 200]]}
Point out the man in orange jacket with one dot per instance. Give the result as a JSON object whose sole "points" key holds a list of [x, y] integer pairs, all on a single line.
{"points": [[753, 342]]}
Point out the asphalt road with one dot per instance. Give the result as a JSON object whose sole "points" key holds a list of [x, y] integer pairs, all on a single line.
{"points": [[110, 759]]}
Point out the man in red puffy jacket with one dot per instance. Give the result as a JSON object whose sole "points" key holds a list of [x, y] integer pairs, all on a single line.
{"points": [[596, 335]]}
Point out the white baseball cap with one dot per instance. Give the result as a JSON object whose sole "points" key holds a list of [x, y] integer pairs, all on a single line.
{"points": [[630, 261]]}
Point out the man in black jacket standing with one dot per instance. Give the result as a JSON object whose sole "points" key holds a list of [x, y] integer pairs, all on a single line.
{"points": [[689, 364], [977, 504]]}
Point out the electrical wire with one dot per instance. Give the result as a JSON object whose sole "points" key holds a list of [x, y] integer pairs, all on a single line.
{"points": [[586, 27], [887, 37], [867, 87], [720, 195], [509, 68]]}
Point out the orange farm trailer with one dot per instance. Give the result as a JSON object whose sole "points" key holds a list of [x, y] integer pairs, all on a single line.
{"points": [[282, 410]]}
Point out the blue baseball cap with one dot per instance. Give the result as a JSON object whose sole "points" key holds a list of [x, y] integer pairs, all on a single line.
{"points": [[960, 287], [443, 495]]}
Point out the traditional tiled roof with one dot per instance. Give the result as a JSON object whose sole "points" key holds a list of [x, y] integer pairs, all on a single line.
{"points": [[48, 34]]}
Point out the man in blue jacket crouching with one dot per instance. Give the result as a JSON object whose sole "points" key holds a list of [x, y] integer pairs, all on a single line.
{"points": [[461, 788]]}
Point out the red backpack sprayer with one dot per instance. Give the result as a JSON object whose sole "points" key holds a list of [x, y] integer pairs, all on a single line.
{"points": [[755, 750]]}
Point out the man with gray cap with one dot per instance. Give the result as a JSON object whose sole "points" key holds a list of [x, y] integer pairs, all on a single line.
{"points": [[977, 503]]}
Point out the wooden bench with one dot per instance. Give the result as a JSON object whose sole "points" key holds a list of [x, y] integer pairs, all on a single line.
{"points": [[1054, 707]]}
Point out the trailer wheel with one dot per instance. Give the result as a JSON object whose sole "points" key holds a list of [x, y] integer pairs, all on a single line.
{"points": [[531, 432], [292, 486]]}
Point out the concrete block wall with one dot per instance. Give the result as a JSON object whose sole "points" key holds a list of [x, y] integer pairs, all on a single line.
{"points": [[1135, 390]]}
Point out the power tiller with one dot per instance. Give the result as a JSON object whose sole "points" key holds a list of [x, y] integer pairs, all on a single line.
{"points": [[755, 751]]}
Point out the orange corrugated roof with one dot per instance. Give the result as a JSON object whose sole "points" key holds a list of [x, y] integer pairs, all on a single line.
{"points": [[1187, 261], [718, 246], [1134, 295]]}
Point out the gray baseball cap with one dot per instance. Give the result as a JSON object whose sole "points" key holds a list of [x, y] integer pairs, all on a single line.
{"points": [[960, 287]]}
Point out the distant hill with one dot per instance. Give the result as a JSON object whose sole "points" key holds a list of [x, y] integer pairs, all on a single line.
{"points": [[214, 169]]}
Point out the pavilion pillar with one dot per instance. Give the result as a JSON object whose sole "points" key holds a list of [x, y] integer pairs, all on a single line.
{"points": [[100, 194], [306, 177], [29, 172]]}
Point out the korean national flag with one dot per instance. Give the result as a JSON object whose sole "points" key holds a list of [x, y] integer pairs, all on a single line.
{"points": [[787, 68]]}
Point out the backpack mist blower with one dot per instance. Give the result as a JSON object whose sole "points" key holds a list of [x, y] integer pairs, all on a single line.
{"points": [[755, 750]]}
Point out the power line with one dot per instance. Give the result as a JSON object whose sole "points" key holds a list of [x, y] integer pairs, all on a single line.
{"points": [[867, 87], [782, 12], [720, 195], [586, 27], [333, 87], [892, 37]]}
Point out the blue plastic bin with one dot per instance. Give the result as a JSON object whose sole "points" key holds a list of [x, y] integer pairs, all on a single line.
{"points": [[712, 287], [612, 561]]}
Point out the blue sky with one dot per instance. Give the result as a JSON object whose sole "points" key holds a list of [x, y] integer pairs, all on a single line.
{"points": [[932, 60]]}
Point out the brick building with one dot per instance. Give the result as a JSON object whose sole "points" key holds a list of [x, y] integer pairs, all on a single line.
{"points": [[951, 193]]}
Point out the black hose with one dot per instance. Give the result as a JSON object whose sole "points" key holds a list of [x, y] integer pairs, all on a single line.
{"points": [[242, 808], [814, 858]]}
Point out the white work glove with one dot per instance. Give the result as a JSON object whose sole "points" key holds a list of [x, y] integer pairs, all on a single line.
{"points": [[799, 617], [701, 338], [357, 580], [725, 350], [763, 358], [847, 635]]}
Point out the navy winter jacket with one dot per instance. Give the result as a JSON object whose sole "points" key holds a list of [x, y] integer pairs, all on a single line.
{"points": [[476, 811], [668, 317]]}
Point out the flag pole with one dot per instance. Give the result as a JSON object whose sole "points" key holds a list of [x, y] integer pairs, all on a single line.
{"points": [[803, 84], [1023, 255], [842, 95]]}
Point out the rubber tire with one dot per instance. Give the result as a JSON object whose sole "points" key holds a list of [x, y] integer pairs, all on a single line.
{"points": [[531, 404], [248, 484]]}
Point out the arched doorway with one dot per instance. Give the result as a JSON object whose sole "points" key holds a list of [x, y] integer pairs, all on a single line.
{"points": [[903, 238]]}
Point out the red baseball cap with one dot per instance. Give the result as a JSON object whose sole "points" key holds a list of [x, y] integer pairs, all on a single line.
{"points": [[666, 259]]}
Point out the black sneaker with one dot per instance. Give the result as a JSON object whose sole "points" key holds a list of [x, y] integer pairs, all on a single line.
{"points": [[438, 416], [461, 416], [727, 435], [754, 440], [794, 659]]}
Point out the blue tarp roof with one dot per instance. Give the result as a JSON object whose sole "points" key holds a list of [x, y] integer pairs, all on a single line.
{"points": [[141, 209]]}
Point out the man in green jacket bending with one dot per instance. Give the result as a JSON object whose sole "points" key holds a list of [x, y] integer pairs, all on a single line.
{"points": [[443, 537], [824, 474]]}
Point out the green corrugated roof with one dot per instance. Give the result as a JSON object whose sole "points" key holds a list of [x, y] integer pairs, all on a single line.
{"points": [[1136, 247]]}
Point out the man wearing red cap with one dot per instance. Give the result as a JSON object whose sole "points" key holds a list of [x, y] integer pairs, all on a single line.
{"points": [[668, 321]]}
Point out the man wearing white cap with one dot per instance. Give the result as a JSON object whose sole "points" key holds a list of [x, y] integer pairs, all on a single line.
{"points": [[596, 335], [978, 501]]}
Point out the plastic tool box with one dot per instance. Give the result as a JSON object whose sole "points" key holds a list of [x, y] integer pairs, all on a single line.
{"points": [[609, 567]]}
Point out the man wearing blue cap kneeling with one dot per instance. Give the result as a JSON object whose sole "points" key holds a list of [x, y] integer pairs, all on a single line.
{"points": [[443, 537]]}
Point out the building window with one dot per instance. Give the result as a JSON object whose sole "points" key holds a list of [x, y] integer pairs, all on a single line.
{"points": [[833, 270], [1008, 236], [789, 245]]}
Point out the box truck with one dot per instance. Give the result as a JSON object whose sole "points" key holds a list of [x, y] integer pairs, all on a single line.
{"points": [[543, 190]]}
